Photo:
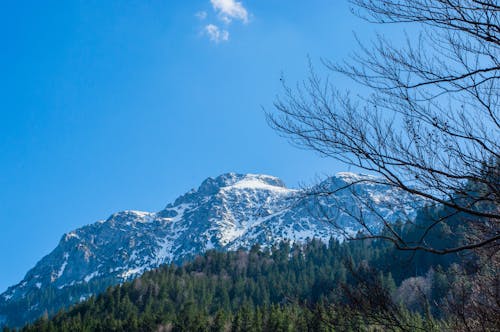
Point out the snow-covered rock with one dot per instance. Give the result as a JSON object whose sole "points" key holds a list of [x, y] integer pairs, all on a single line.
{"points": [[224, 213]]}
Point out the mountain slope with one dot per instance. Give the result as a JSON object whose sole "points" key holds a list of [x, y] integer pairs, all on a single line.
{"points": [[224, 213]]}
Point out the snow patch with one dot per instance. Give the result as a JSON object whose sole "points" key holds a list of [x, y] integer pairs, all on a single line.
{"points": [[164, 252], [91, 276], [141, 216], [132, 272], [209, 245], [180, 210], [83, 298], [63, 266], [59, 273], [133, 255], [71, 235], [354, 177], [233, 231], [378, 198], [257, 182], [231, 234]]}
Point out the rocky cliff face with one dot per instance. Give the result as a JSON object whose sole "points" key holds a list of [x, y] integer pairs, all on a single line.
{"points": [[224, 213]]}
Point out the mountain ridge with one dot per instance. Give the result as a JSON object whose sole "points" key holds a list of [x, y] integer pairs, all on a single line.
{"points": [[225, 213]]}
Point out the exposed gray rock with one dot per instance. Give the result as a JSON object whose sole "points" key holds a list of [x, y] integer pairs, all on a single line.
{"points": [[224, 213]]}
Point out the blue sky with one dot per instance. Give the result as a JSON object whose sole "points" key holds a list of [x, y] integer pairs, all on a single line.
{"points": [[113, 105]]}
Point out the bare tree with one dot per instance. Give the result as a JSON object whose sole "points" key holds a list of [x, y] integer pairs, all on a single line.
{"points": [[429, 121], [367, 300]]}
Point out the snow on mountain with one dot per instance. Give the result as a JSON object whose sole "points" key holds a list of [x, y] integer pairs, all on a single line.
{"points": [[224, 213]]}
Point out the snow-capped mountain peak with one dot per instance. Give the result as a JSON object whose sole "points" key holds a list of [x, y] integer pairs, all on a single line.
{"points": [[349, 177], [225, 213], [258, 182]]}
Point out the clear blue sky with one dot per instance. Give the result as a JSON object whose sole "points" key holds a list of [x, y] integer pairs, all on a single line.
{"points": [[113, 105]]}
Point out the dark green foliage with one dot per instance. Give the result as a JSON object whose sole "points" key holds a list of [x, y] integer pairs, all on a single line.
{"points": [[50, 298], [281, 289]]}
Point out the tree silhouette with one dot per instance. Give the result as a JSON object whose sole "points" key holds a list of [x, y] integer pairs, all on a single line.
{"points": [[429, 121]]}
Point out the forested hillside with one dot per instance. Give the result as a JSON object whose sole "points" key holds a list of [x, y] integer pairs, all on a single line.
{"points": [[314, 287]]}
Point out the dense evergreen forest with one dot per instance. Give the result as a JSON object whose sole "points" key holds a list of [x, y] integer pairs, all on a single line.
{"points": [[350, 286]]}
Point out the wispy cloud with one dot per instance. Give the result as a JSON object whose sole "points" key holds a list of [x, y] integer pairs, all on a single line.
{"points": [[216, 34], [201, 15], [229, 10]]}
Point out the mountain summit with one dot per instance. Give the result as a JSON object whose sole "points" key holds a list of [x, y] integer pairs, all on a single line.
{"points": [[228, 212]]}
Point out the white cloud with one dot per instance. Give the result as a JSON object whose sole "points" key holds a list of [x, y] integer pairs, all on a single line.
{"points": [[216, 34], [229, 10], [201, 15]]}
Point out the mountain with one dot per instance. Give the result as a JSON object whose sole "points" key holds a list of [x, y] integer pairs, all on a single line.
{"points": [[224, 213]]}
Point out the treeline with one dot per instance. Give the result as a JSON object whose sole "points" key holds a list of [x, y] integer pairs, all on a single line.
{"points": [[350, 286], [49, 299]]}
